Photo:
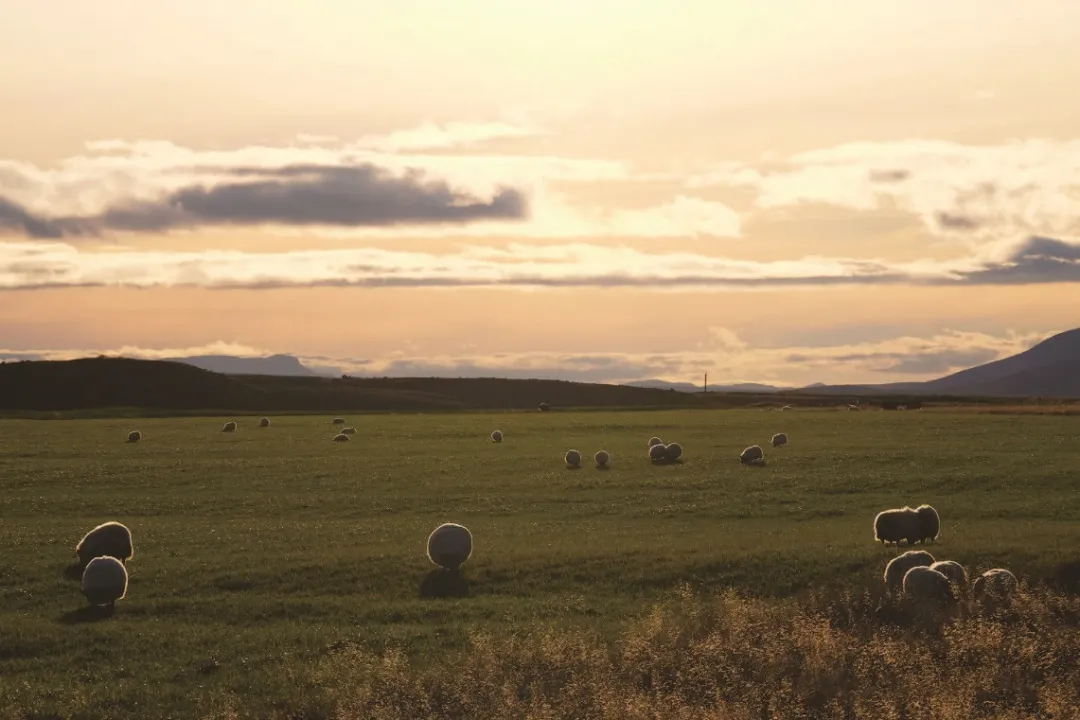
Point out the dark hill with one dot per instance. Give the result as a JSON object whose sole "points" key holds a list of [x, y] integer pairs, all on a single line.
{"points": [[230, 365]]}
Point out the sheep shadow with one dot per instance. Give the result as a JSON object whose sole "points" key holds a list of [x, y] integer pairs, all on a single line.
{"points": [[573, 467], [74, 571], [441, 583], [665, 461], [88, 614], [604, 468]]}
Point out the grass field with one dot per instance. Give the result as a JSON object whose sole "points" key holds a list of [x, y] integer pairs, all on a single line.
{"points": [[259, 553]]}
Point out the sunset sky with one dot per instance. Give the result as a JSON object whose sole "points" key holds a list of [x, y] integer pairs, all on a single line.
{"points": [[786, 191]]}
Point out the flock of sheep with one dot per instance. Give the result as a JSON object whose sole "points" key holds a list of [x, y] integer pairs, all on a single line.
{"points": [[917, 577]]}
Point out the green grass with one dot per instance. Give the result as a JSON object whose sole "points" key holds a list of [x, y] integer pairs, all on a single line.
{"points": [[258, 552]]}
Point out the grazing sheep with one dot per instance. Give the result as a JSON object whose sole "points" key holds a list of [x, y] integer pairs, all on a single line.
{"points": [[543, 407], [341, 437], [672, 452], [602, 457], [655, 441], [104, 581], [449, 546], [229, 427], [264, 422], [899, 565], [110, 539], [929, 523], [852, 407], [658, 453], [752, 455], [892, 526], [926, 584], [779, 439], [338, 421], [134, 436], [348, 431], [786, 407], [996, 585], [954, 571], [496, 437], [572, 458]]}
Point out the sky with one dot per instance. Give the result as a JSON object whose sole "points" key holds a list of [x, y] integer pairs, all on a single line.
{"points": [[789, 191]]}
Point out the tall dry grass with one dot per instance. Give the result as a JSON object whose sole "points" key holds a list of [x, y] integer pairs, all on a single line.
{"points": [[733, 658]]}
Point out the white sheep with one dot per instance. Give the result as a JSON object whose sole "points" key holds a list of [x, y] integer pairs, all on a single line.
{"points": [[752, 455], [543, 407], [786, 407], [655, 441], [929, 523], [496, 437], [926, 584], [229, 427], [341, 437], [450, 545], [899, 565], [997, 585], [672, 452], [338, 421], [602, 457], [779, 439], [110, 539], [954, 571], [104, 581], [852, 407], [134, 436], [892, 526], [572, 458], [348, 430], [264, 422], [658, 453]]}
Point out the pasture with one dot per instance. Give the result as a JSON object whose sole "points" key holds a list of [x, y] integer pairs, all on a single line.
{"points": [[258, 553]]}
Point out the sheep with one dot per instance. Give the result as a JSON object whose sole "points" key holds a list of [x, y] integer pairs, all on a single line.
{"points": [[602, 457], [752, 455], [449, 546], [655, 441], [543, 407], [348, 431], [899, 565], [672, 452], [496, 437], [229, 427], [572, 458], [110, 539], [134, 436], [926, 584], [892, 526], [954, 571], [104, 581], [786, 407], [852, 407], [658, 453], [997, 585], [264, 422], [341, 437], [779, 439], [929, 523], [337, 421]]}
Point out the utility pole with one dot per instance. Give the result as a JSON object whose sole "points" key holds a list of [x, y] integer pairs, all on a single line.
{"points": [[706, 383]]}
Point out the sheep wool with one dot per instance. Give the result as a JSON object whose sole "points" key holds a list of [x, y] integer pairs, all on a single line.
{"points": [[134, 436], [779, 439], [892, 526], [572, 458], [926, 584], [348, 431], [658, 453], [929, 523], [543, 407], [655, 441], [341, 437], [953, 570], [338, 421], [264, 422], [752, 455], [229, 427], [450, 545], [496, 437], [104, 581], [899, 565], [602, 458], [110, 539], [995, 584], [672, 452]]}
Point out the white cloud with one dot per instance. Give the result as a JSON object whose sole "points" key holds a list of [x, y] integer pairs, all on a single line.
{"points": [[432, 136]]}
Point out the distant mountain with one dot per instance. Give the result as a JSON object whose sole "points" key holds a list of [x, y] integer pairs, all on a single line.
{"points": [[1049, 369], [691, 387], [278, 365]]}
